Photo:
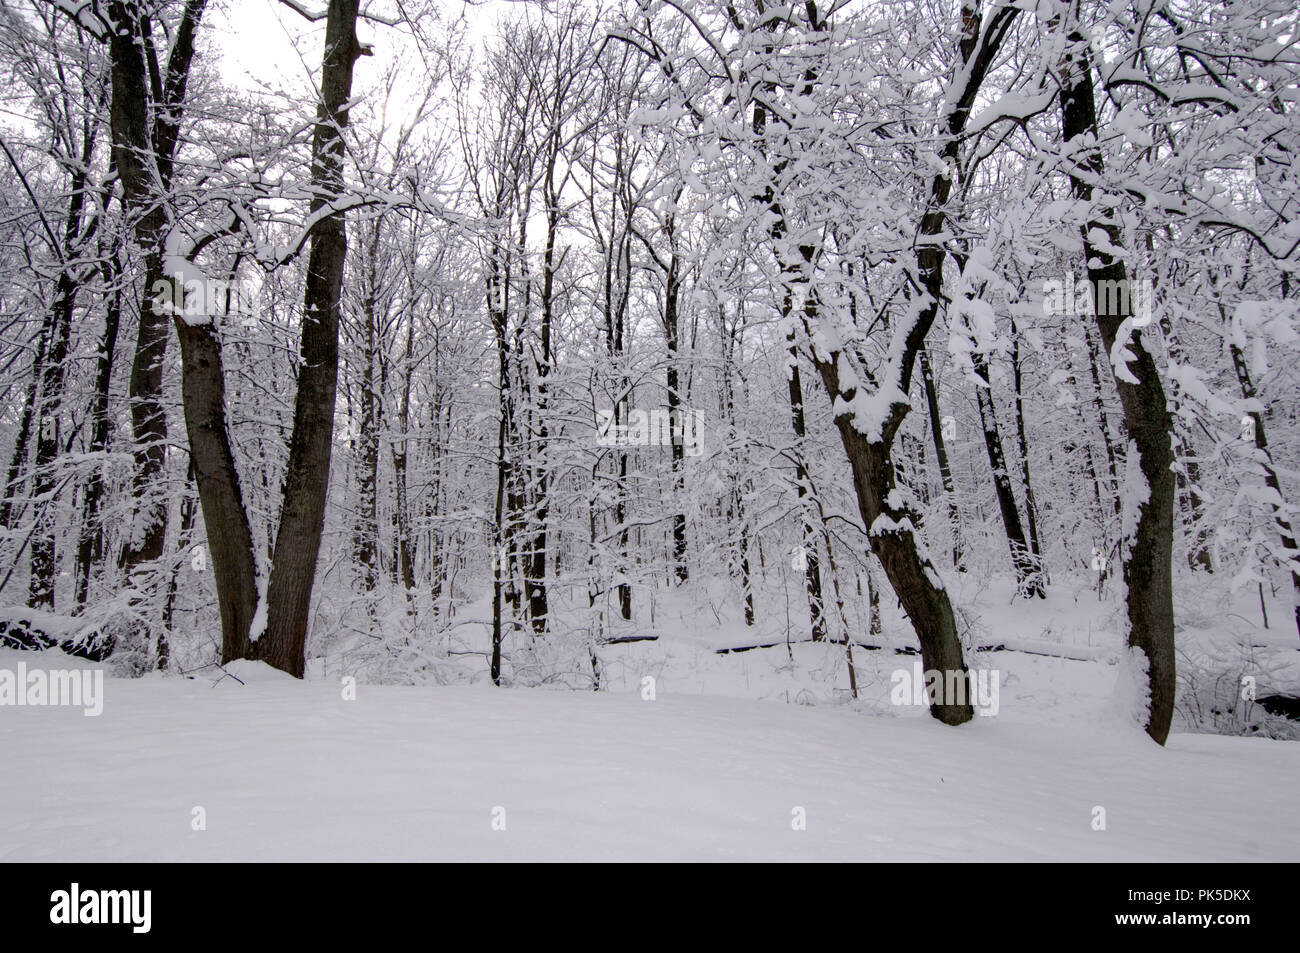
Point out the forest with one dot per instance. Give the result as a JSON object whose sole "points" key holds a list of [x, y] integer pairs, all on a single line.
{"points": [[495, 343]]}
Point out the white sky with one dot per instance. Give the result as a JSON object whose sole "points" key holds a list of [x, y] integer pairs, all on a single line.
{"points": [[255, 39]]}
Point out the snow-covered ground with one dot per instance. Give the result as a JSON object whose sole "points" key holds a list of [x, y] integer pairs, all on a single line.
{"points": [[288, 770]]}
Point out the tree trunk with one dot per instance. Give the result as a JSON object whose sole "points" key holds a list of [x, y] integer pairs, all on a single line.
{"points": [[230, 538], [535, 566], [1022, 444], [892, 533], [1112, 461], [402, 517], [367, 529], [1148, 564], [145, 116], [1022, 557], [890, 525], [808, 540], [672, 378], [90, 545], [22, 443], [162, 655], [302, 519], [40, 587], [941, 454]]}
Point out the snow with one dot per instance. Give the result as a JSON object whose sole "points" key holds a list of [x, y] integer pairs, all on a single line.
{"points": [[1121, 354], [290, 770], [258, 626], [714, 725], [868, 412], [1131, 700], [1135, 494], [884, 523]]}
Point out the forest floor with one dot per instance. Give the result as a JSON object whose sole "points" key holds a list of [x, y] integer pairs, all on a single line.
{"points": [[743, 756]]}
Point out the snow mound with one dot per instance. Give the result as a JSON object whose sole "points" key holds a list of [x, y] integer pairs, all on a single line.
{"points": [[252, 673]]}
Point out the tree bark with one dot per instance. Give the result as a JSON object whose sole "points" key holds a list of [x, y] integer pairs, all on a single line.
{"points": [[230, 538], [90, 545], [302, 518], [941, 454], [40, 588], [1022, 444], [145, 117], [1148, 564], [1022, 557], [808, 539]]}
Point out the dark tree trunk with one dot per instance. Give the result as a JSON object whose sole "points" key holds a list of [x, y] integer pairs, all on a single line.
{"points": [[402, 518], [910, 573], [40, 589], [746, 579], [625, 386], [1148, 564], [1022, 556], [672, 270], [367, 529], [230, 538], [162, 655], [497, 291], [1112, 456], [90, 545], [22, 443], [1022, 444], [891, 527], [535, 566], [812, 565], [672, 321], [149, 427], [302, 518], [145, 116], [941, 454], [499, 539]]}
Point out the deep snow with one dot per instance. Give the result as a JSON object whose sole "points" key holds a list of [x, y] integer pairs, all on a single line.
{"points": [[288, 770]]}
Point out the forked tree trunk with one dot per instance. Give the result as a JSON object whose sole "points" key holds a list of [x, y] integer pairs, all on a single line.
{"points": [[892, 533], [891, 526]]}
